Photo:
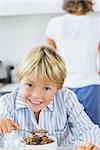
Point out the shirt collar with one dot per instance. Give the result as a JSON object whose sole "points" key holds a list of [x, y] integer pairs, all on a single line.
{"points": [[21, 105], [19, 102], [51, 106]]}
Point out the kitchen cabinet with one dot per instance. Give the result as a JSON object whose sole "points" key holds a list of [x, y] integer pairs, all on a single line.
{"points": [[25, 7], [29, 7]]}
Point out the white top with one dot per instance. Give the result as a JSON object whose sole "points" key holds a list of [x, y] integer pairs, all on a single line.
{"points": [[77, 38], [64, 118]]}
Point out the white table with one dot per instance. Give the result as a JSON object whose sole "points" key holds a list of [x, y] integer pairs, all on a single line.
{"points": [[59, 148]]}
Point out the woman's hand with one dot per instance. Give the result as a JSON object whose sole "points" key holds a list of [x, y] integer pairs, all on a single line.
{"points": [[7, 125], [86, 147]]}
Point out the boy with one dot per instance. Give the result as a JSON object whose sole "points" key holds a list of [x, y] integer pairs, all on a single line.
{"points": [[40, 102]]}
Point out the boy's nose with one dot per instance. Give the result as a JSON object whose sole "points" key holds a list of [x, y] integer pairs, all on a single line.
{"points": [[37, 93]]}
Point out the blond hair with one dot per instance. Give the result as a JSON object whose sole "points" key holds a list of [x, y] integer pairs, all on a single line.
{"points": [[75, 6], [44, 63]]}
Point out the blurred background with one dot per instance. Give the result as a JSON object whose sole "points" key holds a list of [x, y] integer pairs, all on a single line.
{"points": [[22, 26]]}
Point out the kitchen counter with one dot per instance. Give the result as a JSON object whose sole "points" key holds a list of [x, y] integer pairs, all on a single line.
{"points": [[1, 85], [7, 88]]}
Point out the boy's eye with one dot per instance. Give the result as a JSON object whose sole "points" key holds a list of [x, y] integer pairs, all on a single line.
{"points": [[29, 85], [47, 88]]}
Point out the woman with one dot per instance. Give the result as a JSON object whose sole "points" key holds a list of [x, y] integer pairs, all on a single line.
{"points": [[76, 36]]}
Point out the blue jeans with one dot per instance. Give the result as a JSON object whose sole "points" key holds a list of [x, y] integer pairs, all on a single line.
{"points": [[89, 96]]}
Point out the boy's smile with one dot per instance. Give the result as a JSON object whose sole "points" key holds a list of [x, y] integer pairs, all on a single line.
{"points": [[34, 103], [37, 94]]}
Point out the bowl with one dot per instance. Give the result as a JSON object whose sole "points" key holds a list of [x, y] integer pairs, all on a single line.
{"points": [[49, 146]]}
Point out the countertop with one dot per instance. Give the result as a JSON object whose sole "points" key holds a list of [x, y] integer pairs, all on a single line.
{"points": [[7, 88]]}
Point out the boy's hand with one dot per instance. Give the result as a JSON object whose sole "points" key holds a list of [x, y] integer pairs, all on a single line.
{"points": [[86, 147], [7, 125]]}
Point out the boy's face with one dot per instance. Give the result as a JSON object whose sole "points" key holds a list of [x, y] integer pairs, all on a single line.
{"points": [[37, 95]]}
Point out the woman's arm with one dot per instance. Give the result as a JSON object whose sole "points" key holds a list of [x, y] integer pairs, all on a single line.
{"points": [[52, 43], [99, 59]]}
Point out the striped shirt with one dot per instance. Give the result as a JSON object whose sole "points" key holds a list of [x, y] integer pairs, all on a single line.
{"points": [[64, 118]]}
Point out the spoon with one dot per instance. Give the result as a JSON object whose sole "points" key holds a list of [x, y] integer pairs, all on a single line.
{"points": [[31, 132], [41, 131]]}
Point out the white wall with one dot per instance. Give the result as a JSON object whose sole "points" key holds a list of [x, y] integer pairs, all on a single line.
{"points": [[20, 33], [96, 5]]}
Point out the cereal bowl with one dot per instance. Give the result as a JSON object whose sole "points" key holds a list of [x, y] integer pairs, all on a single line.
{"points": [[52, 145]]}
